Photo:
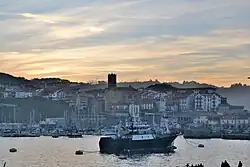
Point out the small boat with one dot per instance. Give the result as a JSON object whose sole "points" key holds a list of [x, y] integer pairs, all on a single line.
{"points": [[12, 150], [174, 147], [74, 135], [79, 152], [123, 157]]}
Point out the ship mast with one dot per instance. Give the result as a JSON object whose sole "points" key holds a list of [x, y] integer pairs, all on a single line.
{"points": [[134, 114]]}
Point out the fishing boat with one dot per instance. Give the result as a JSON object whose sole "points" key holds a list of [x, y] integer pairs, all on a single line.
{"points": [[138, 137]]}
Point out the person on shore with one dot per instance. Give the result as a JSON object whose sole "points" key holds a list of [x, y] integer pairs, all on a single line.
{"points": [[240, 164], [226, 164]]}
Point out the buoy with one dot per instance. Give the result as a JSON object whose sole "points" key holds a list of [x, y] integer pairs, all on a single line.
{"points": [[201, 145], [12, 150], [79, 152], [174, 147], [122, 157]]}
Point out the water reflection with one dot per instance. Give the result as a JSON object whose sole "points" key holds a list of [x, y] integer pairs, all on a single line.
{"points": [[60, 152]]}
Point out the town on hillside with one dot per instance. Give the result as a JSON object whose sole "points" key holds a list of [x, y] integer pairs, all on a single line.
{"points": [[47, 105]]}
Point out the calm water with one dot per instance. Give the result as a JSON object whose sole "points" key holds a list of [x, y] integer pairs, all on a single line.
{"points": [[49, 152]]}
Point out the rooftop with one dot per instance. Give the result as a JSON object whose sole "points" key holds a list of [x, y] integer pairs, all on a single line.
{"points": [[169, 87], [130, 88]]}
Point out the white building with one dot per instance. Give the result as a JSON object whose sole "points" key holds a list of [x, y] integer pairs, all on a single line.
{"points": [[183, 104], [147, 106], [207, 101], [9, 93], [58, 95], [120, 107], [214, 123], [201, 121], [23, 95], [233, 122]]}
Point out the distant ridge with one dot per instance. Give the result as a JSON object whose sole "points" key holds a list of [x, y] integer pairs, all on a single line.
{"points": [[9, 79], [192, 84], [12, 80], [237, 93], [162, 87]]}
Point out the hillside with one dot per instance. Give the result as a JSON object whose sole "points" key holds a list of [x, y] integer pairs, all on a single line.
{"points": [[237, 94], [9, 79], [12, 80]]}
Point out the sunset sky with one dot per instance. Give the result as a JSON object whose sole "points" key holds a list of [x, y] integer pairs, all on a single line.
{"points": [[169, 40]]}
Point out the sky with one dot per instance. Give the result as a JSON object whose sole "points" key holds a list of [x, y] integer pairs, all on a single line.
{"points": [[169, 40]]}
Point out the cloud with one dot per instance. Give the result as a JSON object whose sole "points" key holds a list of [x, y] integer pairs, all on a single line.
{"points": [[138, 39], [72, 32], [37, 17]]}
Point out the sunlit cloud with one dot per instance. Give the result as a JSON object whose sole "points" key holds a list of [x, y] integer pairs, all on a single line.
{"points": [[71, 32], [37, 17]]}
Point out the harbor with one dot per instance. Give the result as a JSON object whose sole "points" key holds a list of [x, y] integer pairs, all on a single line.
{"points": [[124, 83], [162, 123]]}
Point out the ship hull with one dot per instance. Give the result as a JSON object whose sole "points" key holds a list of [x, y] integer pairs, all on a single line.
{"points": [[74, 136], [109, 145]]}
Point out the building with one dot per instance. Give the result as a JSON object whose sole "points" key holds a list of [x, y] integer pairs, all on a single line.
{"points": [[58, 95], [120, 95], [229, 109], [224, 100], [183, 101], [9, 93], [163, 88], [112, 80], [208, 102], [117, 97], [184, 118], [161, 104], [147, 105], [23, 95], [235, 122], [214, 122], [236, 109], [201, 121], [223, 109], [1, 92]]}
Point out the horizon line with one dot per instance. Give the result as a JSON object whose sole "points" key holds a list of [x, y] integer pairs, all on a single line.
{"points": [[122, 81]]}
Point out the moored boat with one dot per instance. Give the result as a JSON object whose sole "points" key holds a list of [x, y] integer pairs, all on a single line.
{"points": [[138, 137]]}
